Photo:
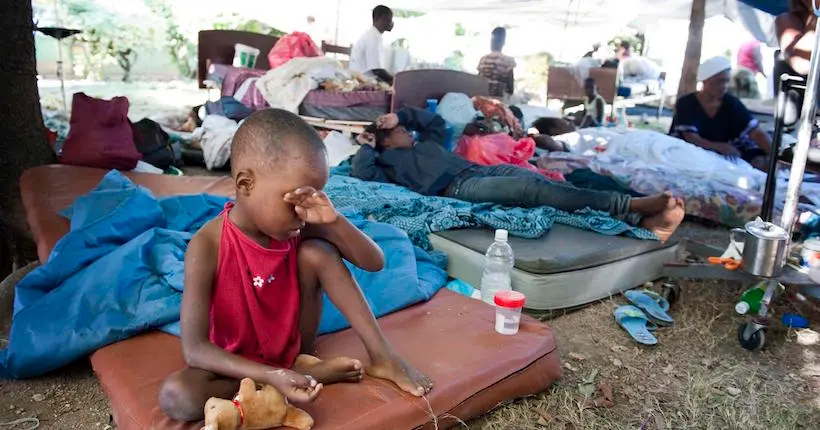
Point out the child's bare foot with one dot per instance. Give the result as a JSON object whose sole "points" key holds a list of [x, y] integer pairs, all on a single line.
{"points": [[651, 205], [402, 374], [339, 369], [665, 223], [295, 386]]}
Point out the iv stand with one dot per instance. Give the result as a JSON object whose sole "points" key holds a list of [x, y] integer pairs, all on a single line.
{"points": [[804, 135]]}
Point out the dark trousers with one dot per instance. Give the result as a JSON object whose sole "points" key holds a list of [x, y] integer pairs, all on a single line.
{"points": [[513, 186]]}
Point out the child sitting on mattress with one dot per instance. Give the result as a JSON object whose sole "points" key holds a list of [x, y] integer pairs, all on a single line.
{"points": [[254, 278], [389, 154]]}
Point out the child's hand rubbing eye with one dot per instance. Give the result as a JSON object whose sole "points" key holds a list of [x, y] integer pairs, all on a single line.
{"points": [[312, 206]]}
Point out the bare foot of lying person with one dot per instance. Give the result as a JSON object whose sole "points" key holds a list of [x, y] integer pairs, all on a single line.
{"points": [[402, 374], [651, 205], [189, 125], [339, 369], [665, 223]]}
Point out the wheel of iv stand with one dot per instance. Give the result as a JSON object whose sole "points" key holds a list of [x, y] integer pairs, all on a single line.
{"points": [[755, 342]]}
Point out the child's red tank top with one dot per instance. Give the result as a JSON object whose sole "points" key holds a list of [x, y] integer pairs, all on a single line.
{"points": [[255, 298]]}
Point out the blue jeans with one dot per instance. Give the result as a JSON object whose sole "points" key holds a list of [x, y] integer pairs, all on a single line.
{"points": [[513, 186]]}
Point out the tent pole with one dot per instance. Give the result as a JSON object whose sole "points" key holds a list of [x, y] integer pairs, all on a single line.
{"points": [[804, 135], [338, 12]]}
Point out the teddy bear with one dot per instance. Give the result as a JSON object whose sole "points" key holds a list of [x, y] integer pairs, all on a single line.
{"points": [[254, 409]]}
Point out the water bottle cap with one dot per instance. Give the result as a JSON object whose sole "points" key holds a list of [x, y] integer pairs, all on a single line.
{"points": [[509, 299], [501, 235], [742, 308]]}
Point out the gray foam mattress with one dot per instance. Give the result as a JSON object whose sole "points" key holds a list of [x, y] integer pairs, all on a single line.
{"points": [[347, 105], [567, 267]]}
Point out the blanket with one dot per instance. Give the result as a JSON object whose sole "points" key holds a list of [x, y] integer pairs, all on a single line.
{"points": [[714, 187], [119, 272], [420, 215], [287, 85], [215, 136], [646, 149]]}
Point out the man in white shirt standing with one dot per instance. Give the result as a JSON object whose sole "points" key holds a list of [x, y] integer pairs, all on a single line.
{"points": [[366, 55]]}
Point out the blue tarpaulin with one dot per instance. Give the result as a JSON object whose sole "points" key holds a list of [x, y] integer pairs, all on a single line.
{"points": [[119, 272], [773, 7]]}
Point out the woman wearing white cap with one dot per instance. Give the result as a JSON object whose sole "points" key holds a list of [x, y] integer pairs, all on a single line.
{"points": [[715, 120]]}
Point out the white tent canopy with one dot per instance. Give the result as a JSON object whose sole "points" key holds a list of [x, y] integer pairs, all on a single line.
{"points": [[565, 28], [348, 15], [602, 13]]}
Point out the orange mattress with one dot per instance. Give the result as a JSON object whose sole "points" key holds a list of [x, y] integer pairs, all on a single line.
{"points": [[450, 338]]}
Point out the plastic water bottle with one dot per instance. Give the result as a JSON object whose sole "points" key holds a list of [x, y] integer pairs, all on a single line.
{"points": [[752, 298], [498, 263]]}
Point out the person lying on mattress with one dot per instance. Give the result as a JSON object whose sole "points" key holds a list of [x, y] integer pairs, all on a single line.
{"points": [[717, 121], [389, 154], [254, 278]]}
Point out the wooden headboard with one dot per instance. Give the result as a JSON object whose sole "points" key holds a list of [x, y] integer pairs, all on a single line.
{"points": [[218, 47], [328, 48], [562, 84], [414, 87], [341, 53]]}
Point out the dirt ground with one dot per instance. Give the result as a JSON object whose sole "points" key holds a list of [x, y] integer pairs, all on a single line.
{"points": [[697, 377]]}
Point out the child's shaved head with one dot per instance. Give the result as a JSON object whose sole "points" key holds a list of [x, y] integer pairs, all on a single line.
{"points": [[268, 135], [274, 153]]}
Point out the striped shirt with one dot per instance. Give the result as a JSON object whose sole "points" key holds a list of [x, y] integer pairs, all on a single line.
{"points": [[498, 69]]}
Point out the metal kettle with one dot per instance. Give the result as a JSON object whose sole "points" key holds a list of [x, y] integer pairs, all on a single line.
{"points": [[764, 246]]}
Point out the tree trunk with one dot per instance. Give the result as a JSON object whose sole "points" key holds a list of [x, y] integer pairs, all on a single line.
{"points": [[23, 141], [689, 73]]}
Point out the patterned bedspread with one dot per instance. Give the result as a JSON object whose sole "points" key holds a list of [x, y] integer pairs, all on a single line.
{"points": [[420, 215]]}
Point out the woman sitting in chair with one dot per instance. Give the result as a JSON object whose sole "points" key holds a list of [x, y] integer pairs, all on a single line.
{"points": [[717, 121]]}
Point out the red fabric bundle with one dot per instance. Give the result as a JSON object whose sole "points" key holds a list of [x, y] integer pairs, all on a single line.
{"points": [[100, 134], [500, 148], [294, 45]]}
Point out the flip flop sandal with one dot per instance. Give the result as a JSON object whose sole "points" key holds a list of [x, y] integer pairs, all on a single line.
{"points": [[652, 303], [635, 322]]}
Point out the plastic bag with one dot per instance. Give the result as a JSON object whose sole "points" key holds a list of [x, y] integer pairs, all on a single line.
{"points": [[499, 148], [457, 109], [495, 110], [294, 45]]}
